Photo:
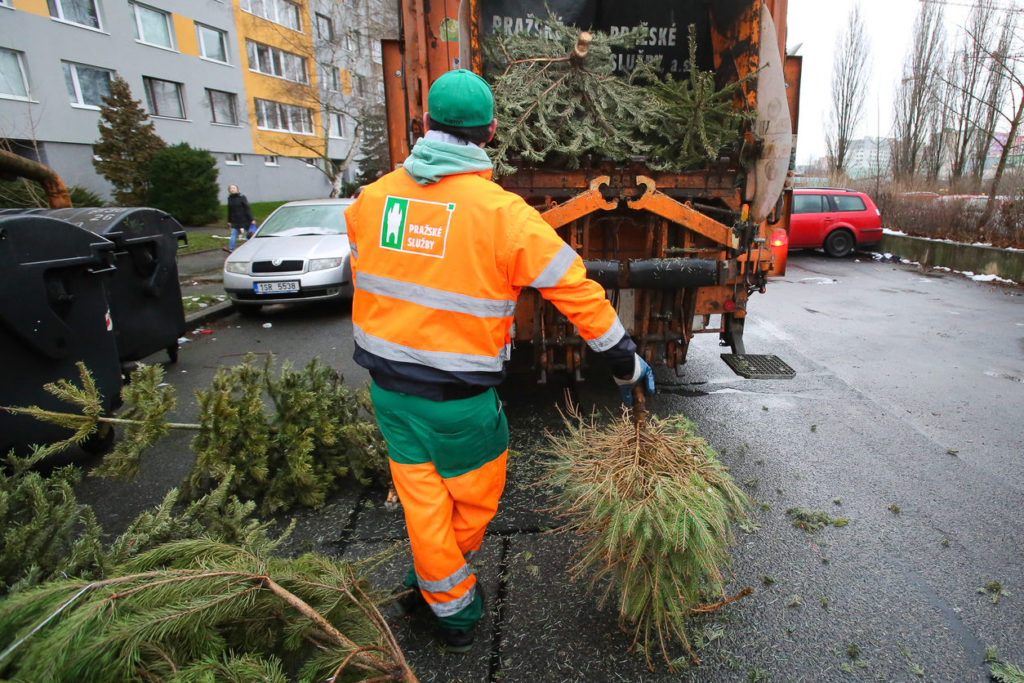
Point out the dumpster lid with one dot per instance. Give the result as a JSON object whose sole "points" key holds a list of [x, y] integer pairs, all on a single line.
{"points": [[121, 224]]}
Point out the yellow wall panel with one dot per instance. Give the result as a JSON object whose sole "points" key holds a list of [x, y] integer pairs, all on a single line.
{"points": [[346, 81], [266, 87], [283, 144], [33, 7], [185, 34]]}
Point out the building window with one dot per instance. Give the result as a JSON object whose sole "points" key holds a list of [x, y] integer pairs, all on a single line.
{"points": [[283, 117], [358, 85], [270, 160], [213, 43], [13, 81], [83, 12], [351, 42], [271, 61], [87, 85], [329, 78], [281, 12], [222, 107], [152, 26], [164, 98], [324, 28], [232, 159], [337, 125]]}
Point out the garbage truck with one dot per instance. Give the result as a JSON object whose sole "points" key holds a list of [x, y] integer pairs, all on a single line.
{"points": [[679, 254]]}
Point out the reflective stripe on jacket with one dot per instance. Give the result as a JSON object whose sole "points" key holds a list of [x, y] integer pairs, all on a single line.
{"points": [[437, 270]]}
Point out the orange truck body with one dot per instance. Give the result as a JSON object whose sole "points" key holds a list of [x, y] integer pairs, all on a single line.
{"points": [[678, 253]]}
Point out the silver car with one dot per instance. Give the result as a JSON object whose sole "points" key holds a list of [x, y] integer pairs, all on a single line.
{"points": [[300, 253]]}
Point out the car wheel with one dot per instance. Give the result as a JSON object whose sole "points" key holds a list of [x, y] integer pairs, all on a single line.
{"points": [[839, 243], [248, 310]]}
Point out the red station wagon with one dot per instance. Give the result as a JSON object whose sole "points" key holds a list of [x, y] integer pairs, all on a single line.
{"points": [[838, 221]]}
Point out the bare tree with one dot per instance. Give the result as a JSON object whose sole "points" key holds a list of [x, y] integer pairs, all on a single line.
{"points": [[1011, 63], [995, 92], [967, 80], [934, 155], [849, 90], [916, 101], [332, 87]]}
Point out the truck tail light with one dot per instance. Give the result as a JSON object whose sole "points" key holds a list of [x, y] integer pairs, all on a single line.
{"points": [[779, 245]]}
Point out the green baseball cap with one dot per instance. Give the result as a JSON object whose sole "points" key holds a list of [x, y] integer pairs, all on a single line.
{"points": [[460, 98]]}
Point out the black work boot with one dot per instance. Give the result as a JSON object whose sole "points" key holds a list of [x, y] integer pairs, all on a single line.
{"points": [[412, 602], [455, 640]]}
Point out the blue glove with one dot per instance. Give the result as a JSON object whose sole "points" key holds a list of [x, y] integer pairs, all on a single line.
{"points": [[642, 375]]}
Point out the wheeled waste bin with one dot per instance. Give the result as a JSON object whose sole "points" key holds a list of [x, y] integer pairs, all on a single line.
{"points": [[144, 293], [53, 313]]}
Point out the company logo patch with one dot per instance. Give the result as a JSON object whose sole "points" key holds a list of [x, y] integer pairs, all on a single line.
{"points": [[415, 226]]}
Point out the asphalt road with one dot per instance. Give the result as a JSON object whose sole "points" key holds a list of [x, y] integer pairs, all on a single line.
{"points": [[904, 417]]}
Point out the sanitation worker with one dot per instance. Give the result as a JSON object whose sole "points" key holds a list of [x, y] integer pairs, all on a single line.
{"points": [[439, 255]]}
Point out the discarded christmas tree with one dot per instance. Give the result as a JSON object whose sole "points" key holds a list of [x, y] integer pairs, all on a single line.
{"points": [[557, 100], [316, 433], [199, 610], [559, 103], [654, 506], [695, 119]]}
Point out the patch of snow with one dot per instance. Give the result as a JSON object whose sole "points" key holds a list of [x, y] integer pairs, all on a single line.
{"points": [[990, 278], [818, 280], [182, 340]]}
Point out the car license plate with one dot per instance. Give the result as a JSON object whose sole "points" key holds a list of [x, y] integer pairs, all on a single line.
{"points": [[276, 287]]}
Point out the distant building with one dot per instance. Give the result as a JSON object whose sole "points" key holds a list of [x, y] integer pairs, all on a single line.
{"points": [[1015, 159], [262, 84], [869, 158]]}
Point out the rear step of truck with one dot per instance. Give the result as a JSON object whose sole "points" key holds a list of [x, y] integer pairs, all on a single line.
{"points": [[758, 366]]}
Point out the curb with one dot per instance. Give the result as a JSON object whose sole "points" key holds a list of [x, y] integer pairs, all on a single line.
{"points": [[214, 312], [1005, 263]]}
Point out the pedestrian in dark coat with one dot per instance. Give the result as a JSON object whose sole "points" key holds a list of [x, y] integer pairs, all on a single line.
{"points": [[239, 216]]}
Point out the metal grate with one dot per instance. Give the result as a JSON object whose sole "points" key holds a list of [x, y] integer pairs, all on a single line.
{"points": [[758, 366], [292, 266]]}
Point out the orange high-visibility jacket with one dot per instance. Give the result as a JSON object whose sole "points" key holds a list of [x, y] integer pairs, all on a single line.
{"points": [[437, 269]]}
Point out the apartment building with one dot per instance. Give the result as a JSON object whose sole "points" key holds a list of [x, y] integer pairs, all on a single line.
{"points": [[869, 157], [264, 85]]}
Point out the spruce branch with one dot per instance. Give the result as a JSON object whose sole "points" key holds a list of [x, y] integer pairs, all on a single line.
{"points": [[183, 605]]}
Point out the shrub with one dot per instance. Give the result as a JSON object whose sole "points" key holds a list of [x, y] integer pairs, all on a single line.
{"points": [[183, 182]]}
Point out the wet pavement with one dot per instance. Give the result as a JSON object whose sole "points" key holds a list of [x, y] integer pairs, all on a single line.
{"points": [[904, 417]]}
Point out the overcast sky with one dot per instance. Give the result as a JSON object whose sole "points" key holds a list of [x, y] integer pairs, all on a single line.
{"points": [[889, 24]]}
